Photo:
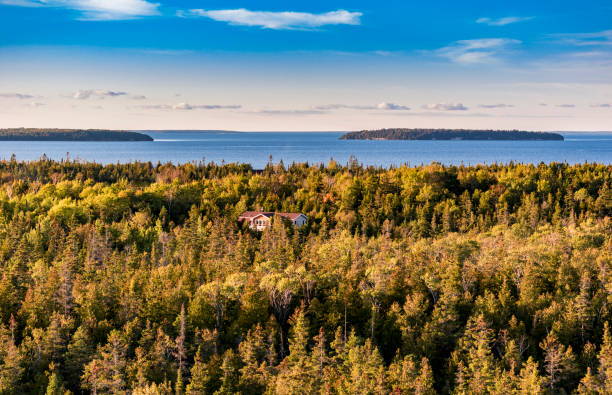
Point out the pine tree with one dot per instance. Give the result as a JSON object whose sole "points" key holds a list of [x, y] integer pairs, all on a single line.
{"points": [[362, 367], [402, 374], [54, 387], [530, 380], [10, 362], [180, 352], [480, 369], [106, 372], [424, 384], [178, 388], [78, 353], [589, 384], [199, 376], [296, 372], [252, 350], [319, 357], [229, 379], [92, 376], [559, 361], [604, 370]]}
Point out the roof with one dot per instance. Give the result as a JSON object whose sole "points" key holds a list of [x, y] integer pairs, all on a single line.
{"points": [[269, 214], [253, 214], [268, 217], [291, 216]]}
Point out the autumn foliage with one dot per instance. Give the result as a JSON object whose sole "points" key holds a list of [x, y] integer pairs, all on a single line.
{"points": [[137, 278]]}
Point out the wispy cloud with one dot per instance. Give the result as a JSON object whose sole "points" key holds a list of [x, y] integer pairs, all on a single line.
{"points": [[99, 93], [20, 96], [504, 21], [587, 39], [601, 105], [167, 52], [328, 107], [186, 106], [445, 107], [381, 106], [500, 105], [189, 107], [484, 50], [290, 112], [96, 9], [35, 104], [277, 20], [22, 3], [566, 105]]}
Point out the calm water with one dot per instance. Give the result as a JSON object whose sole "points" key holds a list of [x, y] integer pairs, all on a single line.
{"points": [[256, 148]]}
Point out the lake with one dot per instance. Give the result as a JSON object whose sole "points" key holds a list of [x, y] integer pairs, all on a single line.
{"points": [[316, 147]]}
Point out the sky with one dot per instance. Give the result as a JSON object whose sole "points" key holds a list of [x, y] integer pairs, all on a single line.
{"points": [[307, 66]]}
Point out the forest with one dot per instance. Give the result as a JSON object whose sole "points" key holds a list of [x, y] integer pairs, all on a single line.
{"points": [[449, 134], [137, 279], [35, 134]]}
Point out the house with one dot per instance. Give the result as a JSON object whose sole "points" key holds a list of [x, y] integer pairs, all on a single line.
{"points": [[262, 219]]}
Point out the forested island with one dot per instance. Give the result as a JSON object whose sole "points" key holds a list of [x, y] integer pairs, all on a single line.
{"points": [[137, 278], [449, 134], [35, 134]]}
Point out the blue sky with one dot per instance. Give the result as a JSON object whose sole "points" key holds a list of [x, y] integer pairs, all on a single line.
{"points": [[332, 65]]}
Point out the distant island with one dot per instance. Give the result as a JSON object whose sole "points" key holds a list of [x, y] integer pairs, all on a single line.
{"points": [[34, 134], [449, 134]]}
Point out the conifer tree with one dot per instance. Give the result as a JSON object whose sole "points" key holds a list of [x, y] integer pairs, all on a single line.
{"points": [[530, 380], [559, 361], [10, 362]]}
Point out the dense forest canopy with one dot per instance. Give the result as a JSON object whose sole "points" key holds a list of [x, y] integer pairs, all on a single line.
{"points": [[449, 134], [136, 278], [33, 134]]}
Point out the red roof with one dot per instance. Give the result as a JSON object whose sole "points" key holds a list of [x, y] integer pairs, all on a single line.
{"points": [[291, 216]]}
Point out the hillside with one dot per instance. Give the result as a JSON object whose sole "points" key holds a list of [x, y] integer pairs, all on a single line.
{"points": [[34, 134], [137, 278], [449, 134]]}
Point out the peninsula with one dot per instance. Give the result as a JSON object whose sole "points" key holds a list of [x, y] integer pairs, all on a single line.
{"points": [[35, 134], [449, 134]]}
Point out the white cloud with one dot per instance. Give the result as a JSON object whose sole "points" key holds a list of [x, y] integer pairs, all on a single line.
{"points": [[99, 93], [96, 9], [186, 106], [445, 107], [391, 106], [278, 20], [22, 3], [503, 21], [20, 96], [484, 50], [587, 39], [189, 107], [326, 107], [566, 105], [381, 106], [601, 105], [290, 112], [154, 107], [500, 105], [36, 104]]}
